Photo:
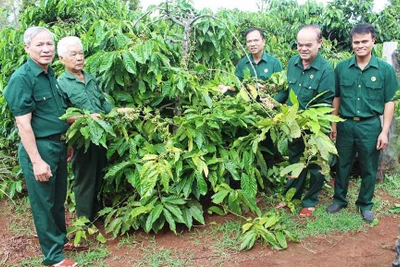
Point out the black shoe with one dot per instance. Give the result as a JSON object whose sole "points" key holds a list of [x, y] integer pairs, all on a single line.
{"points": [[333, 208], [368, 216]]}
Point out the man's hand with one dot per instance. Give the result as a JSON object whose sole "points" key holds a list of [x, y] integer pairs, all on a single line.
{"points": [[70, 153], [267, 102], [225, 88], [95, 116], [41, 171], [383, 141], [333, 133]]}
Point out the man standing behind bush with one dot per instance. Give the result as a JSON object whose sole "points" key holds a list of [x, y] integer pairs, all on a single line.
{"points": [[365, 86], [35, 100], [82, 92], [309, 75]]}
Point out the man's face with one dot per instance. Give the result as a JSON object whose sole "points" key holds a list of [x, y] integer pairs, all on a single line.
{"points": [[41, 49], [255, 43], [362, 44], [73, 59], [308, 44]]}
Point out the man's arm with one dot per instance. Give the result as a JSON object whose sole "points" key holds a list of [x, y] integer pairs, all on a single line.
{"points": [[41, 169], [335, 105], [383, 137]]}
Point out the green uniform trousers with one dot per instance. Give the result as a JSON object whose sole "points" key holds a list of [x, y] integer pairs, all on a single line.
{"points": [[357, 137], [269, 150], [47, 198], [310, 199], [88, 174]]}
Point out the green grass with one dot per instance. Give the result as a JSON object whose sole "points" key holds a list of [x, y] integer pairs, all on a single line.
{"points": [[391, 186], [157, 257], [221, 238], [225, 236]]}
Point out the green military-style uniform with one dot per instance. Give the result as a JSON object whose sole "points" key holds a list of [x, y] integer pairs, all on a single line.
{"points": [[31, 90], [264, 69], [87, 166], [363, 94], [307, 83]]}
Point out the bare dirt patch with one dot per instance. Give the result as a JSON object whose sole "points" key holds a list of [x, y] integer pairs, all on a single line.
{"points": [[373, 247]]}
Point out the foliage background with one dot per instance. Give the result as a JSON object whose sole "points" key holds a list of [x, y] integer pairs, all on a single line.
{"points": [[186, 147]]}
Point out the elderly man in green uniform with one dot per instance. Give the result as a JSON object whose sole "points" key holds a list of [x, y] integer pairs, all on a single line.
{"points": [[309, 75], [365, 86], [260, 65], [81, 91], [35, 100]]}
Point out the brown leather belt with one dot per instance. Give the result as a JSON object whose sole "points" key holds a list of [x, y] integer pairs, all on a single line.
{"points": [[358, 118], [56, 137]]}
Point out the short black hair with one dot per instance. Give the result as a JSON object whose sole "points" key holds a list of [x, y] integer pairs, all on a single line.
{"points": [[255, 29], [363, 28]]}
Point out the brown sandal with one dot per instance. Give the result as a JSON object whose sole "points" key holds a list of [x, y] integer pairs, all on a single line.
{"points": [[66, 263], [306, 212], [71, 247]]}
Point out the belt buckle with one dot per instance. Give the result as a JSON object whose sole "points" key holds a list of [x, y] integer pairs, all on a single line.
{"points": [[356, 118]]}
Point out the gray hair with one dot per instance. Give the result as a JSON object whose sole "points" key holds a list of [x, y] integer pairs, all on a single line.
{"points": [[31, 32], [65, 42]]}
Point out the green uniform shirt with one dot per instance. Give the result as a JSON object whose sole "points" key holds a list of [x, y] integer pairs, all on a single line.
{"points": [[31, 90], [307, 83], [264, 69], [84, 95], [363, 93]]}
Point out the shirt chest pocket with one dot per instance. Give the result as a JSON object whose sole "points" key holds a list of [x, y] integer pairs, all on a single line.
{"points": [[374, 90], [44, 101], [346, 88], [308, 91]]}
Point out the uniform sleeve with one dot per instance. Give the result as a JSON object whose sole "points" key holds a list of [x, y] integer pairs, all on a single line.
{"points": [[107, 107], [337, 83], [239, 71], [278, 66], [327, 86], [19, 95], [63, 86], [391, 84]]}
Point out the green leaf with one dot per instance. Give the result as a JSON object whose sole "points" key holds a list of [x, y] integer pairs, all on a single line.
{"points": [[101, 238], [218, 197], [129, 62], [170, 220], [281, 239], [294, 169], [217, 210], [197, 214], [153, 216], [248, 240]]}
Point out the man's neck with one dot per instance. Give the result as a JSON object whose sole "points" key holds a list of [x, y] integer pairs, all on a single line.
{"points": [[79, 75], [257, 57], [362, 62]]}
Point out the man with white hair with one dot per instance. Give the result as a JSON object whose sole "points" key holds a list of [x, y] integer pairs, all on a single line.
{"points": [[81, 91], [35, 101]]}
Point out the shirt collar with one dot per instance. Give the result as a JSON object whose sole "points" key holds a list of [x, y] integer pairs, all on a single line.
{"points": [[316, 63], [264, 57], [70, 76], [373, 62], [38, 70]]}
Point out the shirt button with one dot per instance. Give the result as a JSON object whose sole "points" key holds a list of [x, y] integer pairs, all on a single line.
{"points": [[358, 99], [302, 72], [358, 111], [299, 84], [359, 86]]}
